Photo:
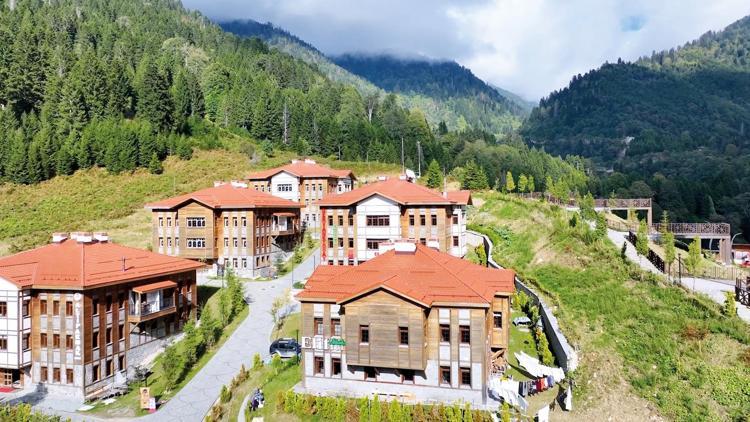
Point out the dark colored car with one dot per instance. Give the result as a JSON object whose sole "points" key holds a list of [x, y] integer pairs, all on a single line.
{"points": [[285, 347]]}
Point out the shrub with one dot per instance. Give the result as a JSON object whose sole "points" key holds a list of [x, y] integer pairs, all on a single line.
{"points": [[505, 412], [276, 363], [257, 361], [730, 306], [226, 394], [520, 301]]}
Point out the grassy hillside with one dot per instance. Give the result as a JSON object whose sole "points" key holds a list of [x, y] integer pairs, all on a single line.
{"points": [[94, 199], [647, 348]]}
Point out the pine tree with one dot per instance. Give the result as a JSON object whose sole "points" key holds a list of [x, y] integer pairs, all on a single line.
{"points": [[155, 166], [94, 83], [474, 177], [510, 185], [182, 99], [120, 98], [434, 175], [523, 182], [26, 76], [17, 166], [154, 100]]}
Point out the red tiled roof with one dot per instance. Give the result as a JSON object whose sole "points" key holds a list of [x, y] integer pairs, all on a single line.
{"points": [[227, 196], [425, 276], [75, 265], [302, 169], [401, 191]]}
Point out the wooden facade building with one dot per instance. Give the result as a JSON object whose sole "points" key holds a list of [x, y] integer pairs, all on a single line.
{"points": [[414, 323]]}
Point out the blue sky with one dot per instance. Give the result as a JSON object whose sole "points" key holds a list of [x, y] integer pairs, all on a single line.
{"points": [[530, 47]]}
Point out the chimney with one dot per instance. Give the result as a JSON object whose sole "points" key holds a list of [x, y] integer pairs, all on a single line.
{"points": [[238, 184], [404, 246], [59, 237], [218, 183], [295, 161], [101, 237], [382, 178], [309, 161], [82, 237]]}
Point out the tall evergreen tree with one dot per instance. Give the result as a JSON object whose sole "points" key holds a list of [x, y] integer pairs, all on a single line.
{"points": [[434, 175], [154, 100]]}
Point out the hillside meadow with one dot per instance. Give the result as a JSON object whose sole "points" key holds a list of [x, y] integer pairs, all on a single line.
{"points": [[647, 348], [96, 199]]}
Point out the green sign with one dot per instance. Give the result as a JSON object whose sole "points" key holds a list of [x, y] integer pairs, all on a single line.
{"points": [[336, 342]]}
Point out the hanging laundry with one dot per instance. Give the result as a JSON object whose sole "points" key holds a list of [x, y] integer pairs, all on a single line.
{"points": [[543, 414]]}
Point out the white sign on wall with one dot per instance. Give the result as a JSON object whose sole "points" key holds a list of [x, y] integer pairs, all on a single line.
{"points": [[78, 323]]}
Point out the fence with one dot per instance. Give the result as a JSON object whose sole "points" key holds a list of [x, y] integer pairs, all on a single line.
{"points": [[742, 291], [564, 353]]}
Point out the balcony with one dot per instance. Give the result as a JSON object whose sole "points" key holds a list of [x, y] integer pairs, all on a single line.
{"points": [[283, 224], [152, 301]]}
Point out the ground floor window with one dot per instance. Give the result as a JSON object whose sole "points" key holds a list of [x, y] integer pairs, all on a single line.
{"points": [[371, 373], [318, 365], [445, 375], [407, 376], [335, 367], [69, 376], [95, 373], [121, 362], [43, 374], [56, 375], [466, 377]]}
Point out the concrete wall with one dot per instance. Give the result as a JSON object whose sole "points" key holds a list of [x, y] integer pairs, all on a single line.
{"points": [[564, 353]]}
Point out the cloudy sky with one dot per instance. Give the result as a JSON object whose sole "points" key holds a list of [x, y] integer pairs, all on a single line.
{"points": [[527, 46]]}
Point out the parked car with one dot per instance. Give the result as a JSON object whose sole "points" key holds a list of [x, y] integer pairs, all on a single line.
{"points": [[285, 347]]}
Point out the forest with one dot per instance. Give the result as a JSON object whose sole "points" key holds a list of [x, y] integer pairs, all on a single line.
{"points": [[127, 85], [673, 125]]}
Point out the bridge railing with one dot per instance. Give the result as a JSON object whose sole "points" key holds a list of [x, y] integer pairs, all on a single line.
{"points": [[622, 203], [716, 229]]}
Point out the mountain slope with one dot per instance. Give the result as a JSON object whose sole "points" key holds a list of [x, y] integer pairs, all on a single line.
{"points": [[682, 113], [480, 106]]}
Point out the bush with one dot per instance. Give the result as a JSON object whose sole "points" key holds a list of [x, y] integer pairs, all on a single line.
{"points": [[276, 363], [257, 361], [226, 394], [520, 301], [730, 306]]}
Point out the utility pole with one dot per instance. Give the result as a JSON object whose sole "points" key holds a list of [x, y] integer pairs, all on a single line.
{"points": [[286, 124], [403, 168], [419, 159]]}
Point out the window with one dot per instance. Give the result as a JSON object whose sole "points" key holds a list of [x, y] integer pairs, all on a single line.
{"points": [[169, 242], [341, 220], [68, 342], [330, 242], [234, 221], [43, 374], [497, 320], [3, 342], [351, 220], [43, 306], [433, 220], [244, 242], [236, 242], [108, 335], [445, 375], [69, 376], [351, 242], [378, 220], [244, 262], [364, 334], [196, 243], [161, 241], [55, 374], [68, 308], [455, 240], [319, 365], [161, 222], [445, 333], [121, 299], [95, 306], [422, 241], [341, 242], [43, 340], [55, 341], [95, 340], [244, 221], [285, 187], [336, 327], [169, 221], [455, 219], [95, 373], [318, 324], [374, 244], [226, 221], [407, 375], [55, 307], [196, 221], [234, 262], [330, 220], [336, 366], [371, 374], [422, 220], [320, 187], [121, 332], [411, 219], [121, 362], [464, 334], [226, 242], [25, 341], [3, 309], [108, 302], [403, 336], [25, 308], [110, 367], [466, 377]]}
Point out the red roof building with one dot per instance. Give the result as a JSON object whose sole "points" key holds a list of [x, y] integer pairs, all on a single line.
{"points": [[412, 322], [82, 312]]}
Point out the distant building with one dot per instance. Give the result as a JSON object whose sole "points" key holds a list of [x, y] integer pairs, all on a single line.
{"points": [[413, 323], [78, 314], [306, 182], [229, 226], [356, 223]]}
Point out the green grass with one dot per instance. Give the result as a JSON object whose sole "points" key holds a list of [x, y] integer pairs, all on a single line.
{"points": [[129, 405], [605, 309], [290, 327], [521, 340]]}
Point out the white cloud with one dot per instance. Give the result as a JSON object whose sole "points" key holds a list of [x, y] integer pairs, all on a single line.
{"points": [[527, 46]]}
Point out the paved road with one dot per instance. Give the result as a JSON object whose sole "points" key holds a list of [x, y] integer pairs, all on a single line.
{"points": [[713, 289], [251, 337]]}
